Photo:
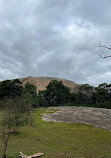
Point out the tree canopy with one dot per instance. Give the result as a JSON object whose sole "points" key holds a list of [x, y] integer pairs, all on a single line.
{"points": [[10, 88], [56, 93]]}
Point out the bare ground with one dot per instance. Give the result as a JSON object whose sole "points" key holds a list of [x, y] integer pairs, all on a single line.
{"points": [[99, 117]]}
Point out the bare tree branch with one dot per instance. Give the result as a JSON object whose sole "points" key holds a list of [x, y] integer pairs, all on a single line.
{"points": [[107, 47], [103, 57], [32, 156]]}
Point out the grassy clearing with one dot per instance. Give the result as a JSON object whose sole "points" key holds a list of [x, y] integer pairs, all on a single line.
{"points": [[60, 140]]}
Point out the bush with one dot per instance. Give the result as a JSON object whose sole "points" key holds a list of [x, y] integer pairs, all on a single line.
{"points": [[105, 104]]}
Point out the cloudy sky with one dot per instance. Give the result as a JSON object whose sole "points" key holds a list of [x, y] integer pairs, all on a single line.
{"points": [[56, 38]]}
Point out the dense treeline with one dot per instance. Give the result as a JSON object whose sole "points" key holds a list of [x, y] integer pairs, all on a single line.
{"points": [[13, 89], [56, 94], [93, 96]]}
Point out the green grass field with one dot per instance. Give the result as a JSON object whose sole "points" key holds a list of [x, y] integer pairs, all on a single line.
{"points": [[60, 140]]}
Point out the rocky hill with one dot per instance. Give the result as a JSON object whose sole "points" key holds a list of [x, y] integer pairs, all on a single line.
{"points": [[42, 82]]}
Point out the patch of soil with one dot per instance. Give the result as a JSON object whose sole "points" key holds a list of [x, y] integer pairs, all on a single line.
{"points": [[99, 117]]}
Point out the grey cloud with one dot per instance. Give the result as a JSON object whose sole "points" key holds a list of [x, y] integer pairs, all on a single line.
{"points": [[54, 38]]}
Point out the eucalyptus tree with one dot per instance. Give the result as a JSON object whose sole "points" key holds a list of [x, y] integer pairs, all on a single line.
{"points": [[56, 93], [88, 90]]}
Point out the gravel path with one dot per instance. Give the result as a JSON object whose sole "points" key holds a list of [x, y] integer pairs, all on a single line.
{"points": [[99, 117]]}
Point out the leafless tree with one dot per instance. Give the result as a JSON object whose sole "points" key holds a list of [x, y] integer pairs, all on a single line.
{"points": [[105, 47]]}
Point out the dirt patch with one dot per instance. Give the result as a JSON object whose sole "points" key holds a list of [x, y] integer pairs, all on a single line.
{"points": [[99, 117]]}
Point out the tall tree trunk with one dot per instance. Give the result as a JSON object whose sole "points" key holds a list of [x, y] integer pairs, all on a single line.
{"points": [[6, 139]]}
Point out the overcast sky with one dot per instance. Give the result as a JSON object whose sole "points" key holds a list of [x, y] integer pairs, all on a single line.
{"points": [[56, 38]]}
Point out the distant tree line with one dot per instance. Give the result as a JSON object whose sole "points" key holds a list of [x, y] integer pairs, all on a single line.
{"points": [[92, 96], [56, 94]]}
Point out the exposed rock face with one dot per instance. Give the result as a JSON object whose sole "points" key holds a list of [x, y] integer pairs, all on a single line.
{"points": [[42, 82], [98, 117]]}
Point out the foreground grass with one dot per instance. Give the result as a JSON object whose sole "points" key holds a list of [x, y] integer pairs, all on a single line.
{"points": [[60, 140]]}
